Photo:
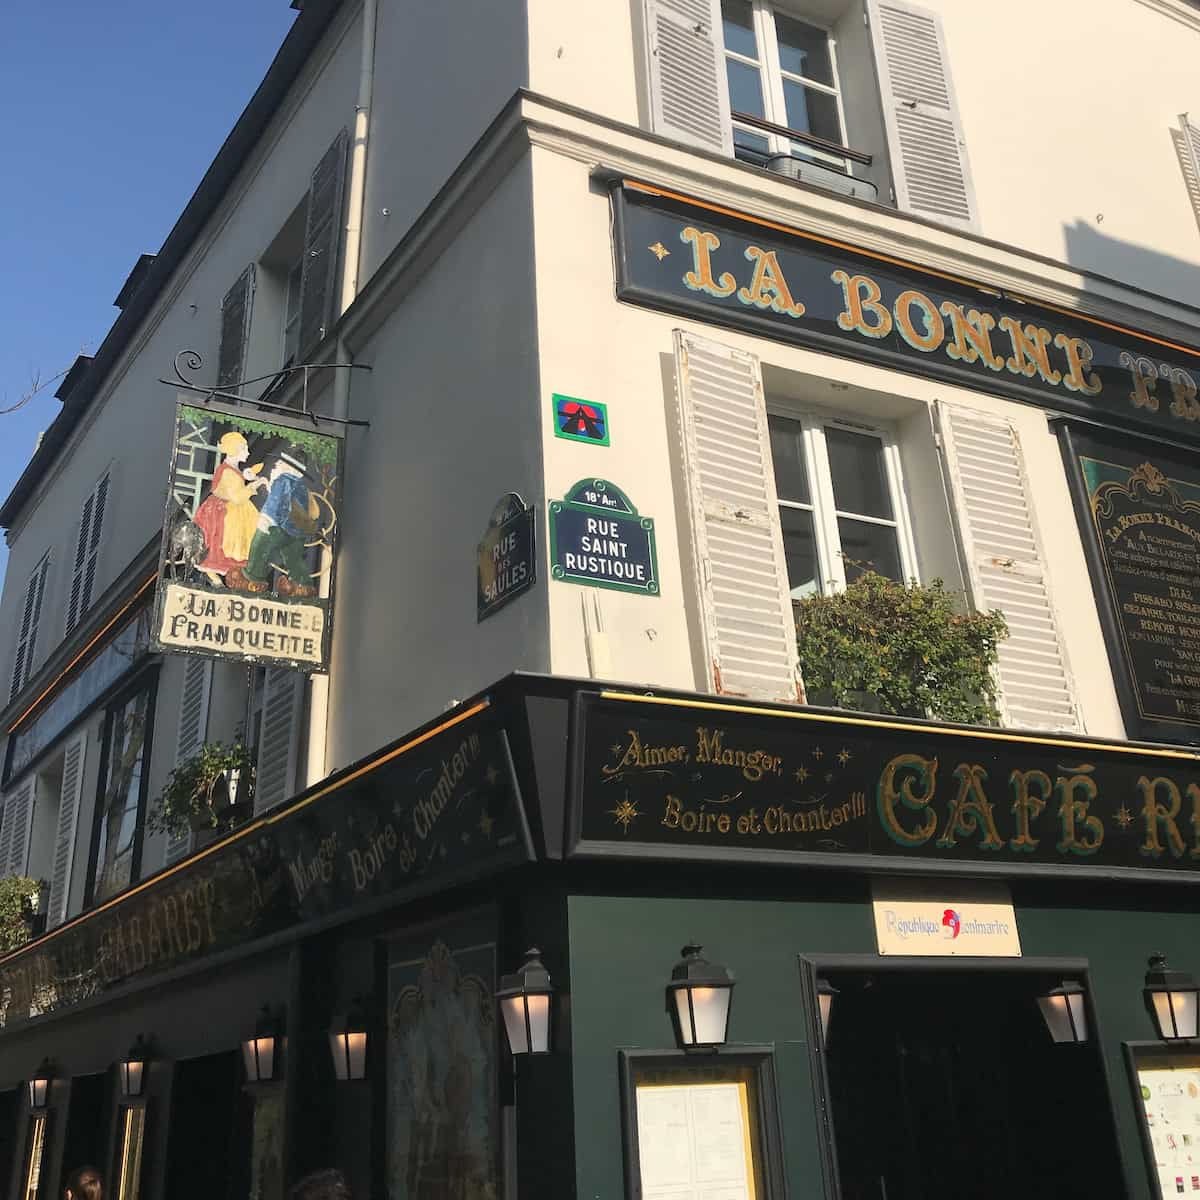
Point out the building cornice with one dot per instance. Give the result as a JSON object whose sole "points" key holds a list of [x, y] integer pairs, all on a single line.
{"points": [[1178, 10]]}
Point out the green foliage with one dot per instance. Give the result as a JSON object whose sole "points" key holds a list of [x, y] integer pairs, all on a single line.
{"points": [[318, 448], [16, 893], [187, 800], [903, 644]]}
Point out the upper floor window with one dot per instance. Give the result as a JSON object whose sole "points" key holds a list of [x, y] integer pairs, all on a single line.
{"points": [[87, 553], [31, 614]]}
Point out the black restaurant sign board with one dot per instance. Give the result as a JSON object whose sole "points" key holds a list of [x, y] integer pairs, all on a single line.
{"points": [[676, 779], [1138, 505], [438, 808], [730, 269]]}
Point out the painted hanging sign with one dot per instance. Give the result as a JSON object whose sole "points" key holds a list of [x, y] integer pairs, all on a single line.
{"points": [[762, 278], [689, 779], [430, 812], [580, 420], [507, 565], [1138, 505], [597, 538], [249, 543]]}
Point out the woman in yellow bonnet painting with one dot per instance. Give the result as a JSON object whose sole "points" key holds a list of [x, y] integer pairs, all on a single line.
{"points": [[227, 516]]}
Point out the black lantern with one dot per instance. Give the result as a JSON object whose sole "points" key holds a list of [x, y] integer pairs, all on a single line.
{"points": [[133, 1068], [698, 999], [1171, 999], [825, 996], [348, 1045], [524, 1000], [1063, 1012], [39, 1085], [260, 1052]]}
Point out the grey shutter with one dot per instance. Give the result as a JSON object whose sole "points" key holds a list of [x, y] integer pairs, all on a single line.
{"points": [[749, 634], [17, 827], [1187, 145], [322, 240], [685, 73], [93, 551], [1005, 566], [74, 600], [30, 616], [236, 310], [278, 738], [193, 729], [930, 170], [68, 828]]}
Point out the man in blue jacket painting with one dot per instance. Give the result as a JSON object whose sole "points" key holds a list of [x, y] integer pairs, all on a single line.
{"points": [[279, 540]]}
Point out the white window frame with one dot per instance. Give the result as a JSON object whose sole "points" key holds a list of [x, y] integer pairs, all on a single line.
{"points": [[820, 482], [773, 76]]}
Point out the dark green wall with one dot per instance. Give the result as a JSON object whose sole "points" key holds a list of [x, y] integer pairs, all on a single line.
{"points": [[622, 950]]}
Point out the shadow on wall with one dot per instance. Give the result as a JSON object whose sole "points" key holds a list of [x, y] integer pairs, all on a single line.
{"points": [[1090, 249]]}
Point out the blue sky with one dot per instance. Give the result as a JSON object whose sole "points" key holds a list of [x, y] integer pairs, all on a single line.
{"points": [[112, 113]]}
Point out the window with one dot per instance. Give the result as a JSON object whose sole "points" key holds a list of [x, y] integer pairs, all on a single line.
{"points": [[291, 313], [31, 613], [87, 553], [120, 809], [841, 505], [782, 71]]}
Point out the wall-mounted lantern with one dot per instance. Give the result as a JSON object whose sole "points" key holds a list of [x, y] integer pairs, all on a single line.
{"points": [[1171, 999], [698, 1000], [39, 1085], [524, 999], [348, 1045], [260, 1052], [826, 993], [1063, 1011], [132, 1068]]}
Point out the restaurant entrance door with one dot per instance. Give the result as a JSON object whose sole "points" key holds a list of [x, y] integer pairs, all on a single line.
{"points": [[946, 1083]]}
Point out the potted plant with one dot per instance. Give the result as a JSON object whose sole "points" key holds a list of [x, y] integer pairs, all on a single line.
{"points": [[211, 789], [17, 894], [901, 648]]}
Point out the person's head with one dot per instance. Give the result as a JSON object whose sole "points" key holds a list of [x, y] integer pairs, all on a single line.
{"points": [[321, 1185], [234, 447], [84, 1184]]}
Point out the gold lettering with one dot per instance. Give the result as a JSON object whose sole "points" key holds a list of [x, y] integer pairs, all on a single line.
{"points": [[1160, 816], [1145, 380], [700, 277], [970, 811], [924, 772], [1029, 350], [1079, 363], [972, 336], [768, 288], [935, 331], [1073, 812], [861, 294], [1026, 807], [1183, 393]]}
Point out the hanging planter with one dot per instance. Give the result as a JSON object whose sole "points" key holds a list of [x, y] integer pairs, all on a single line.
{"points": [[209, 790]]}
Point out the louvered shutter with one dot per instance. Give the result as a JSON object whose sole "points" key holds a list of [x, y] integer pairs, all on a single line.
{"points": [[278, 738], [30, 616], [193, 729], [930, 171], [1005, 567], [87, 554], [236, 310], [737, 544], [68, 828], [93, 555], [17, 827], [322, 240], [1187, 142], [686, 84]]}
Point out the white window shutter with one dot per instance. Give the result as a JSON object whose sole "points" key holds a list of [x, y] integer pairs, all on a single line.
{"points": [[1005, 566], [685, 56], [27, 638], [930, 171], [193, 729], [737, 544], [17, 827], [1187, 143], [68, 828], [278, 738], [87, 554]]}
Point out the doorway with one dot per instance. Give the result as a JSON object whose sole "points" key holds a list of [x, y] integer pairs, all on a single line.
{"points": [[946, 1083]]}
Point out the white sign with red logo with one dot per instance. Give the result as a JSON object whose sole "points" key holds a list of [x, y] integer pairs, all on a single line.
{"points": [[913, 917]]}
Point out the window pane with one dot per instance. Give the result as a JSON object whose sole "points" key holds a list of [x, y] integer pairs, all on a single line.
{"points": [[738, 20], [787, 452], [867, 547], [750, 147], [745, 90], [811, 111], [859, 482], [799, 548], [122, 794], [803, 49]]}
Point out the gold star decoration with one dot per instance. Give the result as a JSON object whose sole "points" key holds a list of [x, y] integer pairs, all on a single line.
{"points": [[659, 251], [1124, 817], [801, 774], [485, 824], [844, 756], [491, 775], [818, 752], [625, 813]]}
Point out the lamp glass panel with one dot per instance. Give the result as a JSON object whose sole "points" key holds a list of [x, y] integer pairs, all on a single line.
{"points": [[1183, 1006], [265, 1047], [356, 1054], [512, 1008], [337, 1047], [249, 1061], [37, 1092], [1079, 1016], [825, 1006], [710, 1007], [1058, 1021], [132, 1073], [539, 1023]]}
